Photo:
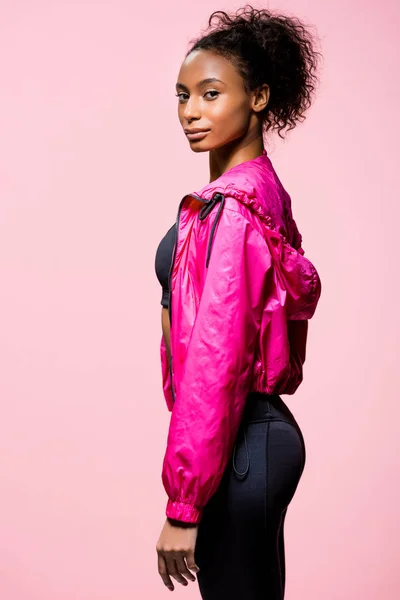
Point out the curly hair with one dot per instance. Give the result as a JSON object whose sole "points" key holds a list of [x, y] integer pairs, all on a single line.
{"points": [[269, 48]]}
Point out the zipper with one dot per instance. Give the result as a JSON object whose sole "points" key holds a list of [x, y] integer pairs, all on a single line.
{"points": [[205, 210]]}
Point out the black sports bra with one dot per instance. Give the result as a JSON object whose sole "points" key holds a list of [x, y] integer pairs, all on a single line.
{"points": [[163, 262]]}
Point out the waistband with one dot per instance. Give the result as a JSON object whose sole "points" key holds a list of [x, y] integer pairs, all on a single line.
{"points": [[261, 407]]}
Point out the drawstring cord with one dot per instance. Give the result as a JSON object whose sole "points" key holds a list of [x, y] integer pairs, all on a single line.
{"points": [[207, 208]]}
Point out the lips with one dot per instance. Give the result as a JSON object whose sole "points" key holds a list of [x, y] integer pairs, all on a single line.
{"points": [[196, 134]]}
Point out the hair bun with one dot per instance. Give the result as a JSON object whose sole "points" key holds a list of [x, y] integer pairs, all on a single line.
{"points": [[272, 48]]}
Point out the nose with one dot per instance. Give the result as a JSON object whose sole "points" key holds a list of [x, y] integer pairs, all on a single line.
{"points": [[191, 110]]}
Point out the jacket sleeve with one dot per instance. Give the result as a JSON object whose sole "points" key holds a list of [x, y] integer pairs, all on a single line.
{"points": [[165, 374], [215, 378]]}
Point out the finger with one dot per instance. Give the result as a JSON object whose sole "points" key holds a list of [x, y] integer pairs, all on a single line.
{"points": [[191, 563], [173, 570], [162, 569], [182, 568]]}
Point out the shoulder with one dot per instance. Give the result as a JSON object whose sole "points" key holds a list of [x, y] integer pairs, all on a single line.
{"points": [[251, 189]]}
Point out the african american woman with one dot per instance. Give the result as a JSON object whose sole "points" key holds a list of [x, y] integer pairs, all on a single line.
{"points": [[237, 295]]}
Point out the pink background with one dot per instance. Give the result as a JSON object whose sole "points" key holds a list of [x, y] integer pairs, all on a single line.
{"points": [[93, 164]]}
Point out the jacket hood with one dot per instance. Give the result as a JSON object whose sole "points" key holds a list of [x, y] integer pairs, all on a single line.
{"points": [[255, 184]]}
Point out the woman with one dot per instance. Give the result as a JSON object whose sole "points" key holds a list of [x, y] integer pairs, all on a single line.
{"points": [[237, 296]]}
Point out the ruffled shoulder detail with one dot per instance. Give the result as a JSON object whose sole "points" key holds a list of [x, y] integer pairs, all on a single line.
{"points": [[297, 273]]}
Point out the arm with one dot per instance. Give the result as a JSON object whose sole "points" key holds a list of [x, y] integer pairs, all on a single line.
{"points": [[211, 393]]}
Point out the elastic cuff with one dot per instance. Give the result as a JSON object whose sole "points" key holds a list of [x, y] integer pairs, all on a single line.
{"points": [[184, 524], [183, 512]]}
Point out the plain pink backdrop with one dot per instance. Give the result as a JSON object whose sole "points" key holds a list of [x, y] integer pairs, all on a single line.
{"points": [[93, 163]]}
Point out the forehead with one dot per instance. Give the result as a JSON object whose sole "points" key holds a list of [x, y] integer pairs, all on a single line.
{"points": [[202, 64]]}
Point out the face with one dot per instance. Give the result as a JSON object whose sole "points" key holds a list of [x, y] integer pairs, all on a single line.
{"points": [[211, 97]]}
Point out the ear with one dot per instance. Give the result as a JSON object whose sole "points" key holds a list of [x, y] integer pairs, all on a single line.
{"points": [[261, 97]]}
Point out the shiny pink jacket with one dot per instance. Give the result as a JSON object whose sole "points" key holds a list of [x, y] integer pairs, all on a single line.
{"points": [[241, 294]]}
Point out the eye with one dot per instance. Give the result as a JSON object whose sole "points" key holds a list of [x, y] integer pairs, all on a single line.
{"points": [[179, 96], [212, 92], [215, 92]]}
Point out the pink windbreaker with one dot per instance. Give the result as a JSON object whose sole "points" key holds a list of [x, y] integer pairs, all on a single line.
{"points": [[241, 294]]}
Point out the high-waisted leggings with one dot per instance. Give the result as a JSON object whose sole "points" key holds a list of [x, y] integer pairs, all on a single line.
{"points": [[240, 542]]}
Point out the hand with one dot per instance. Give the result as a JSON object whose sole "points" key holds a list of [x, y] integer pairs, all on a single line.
{"points": [[174, 545]]}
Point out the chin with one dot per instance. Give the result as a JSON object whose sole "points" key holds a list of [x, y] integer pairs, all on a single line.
{"points": [[196, 147]]}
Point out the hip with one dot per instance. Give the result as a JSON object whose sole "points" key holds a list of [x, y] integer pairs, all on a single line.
{"points": [[260, 413], [263, 470]]}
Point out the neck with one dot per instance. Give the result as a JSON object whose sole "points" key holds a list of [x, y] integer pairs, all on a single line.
{"points": [[233, 154]]}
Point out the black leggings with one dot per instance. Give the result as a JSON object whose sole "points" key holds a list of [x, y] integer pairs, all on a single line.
{"points": [[240, 543]]}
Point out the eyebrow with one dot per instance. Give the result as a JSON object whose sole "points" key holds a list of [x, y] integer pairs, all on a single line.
{"points": [[200, 83]]}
